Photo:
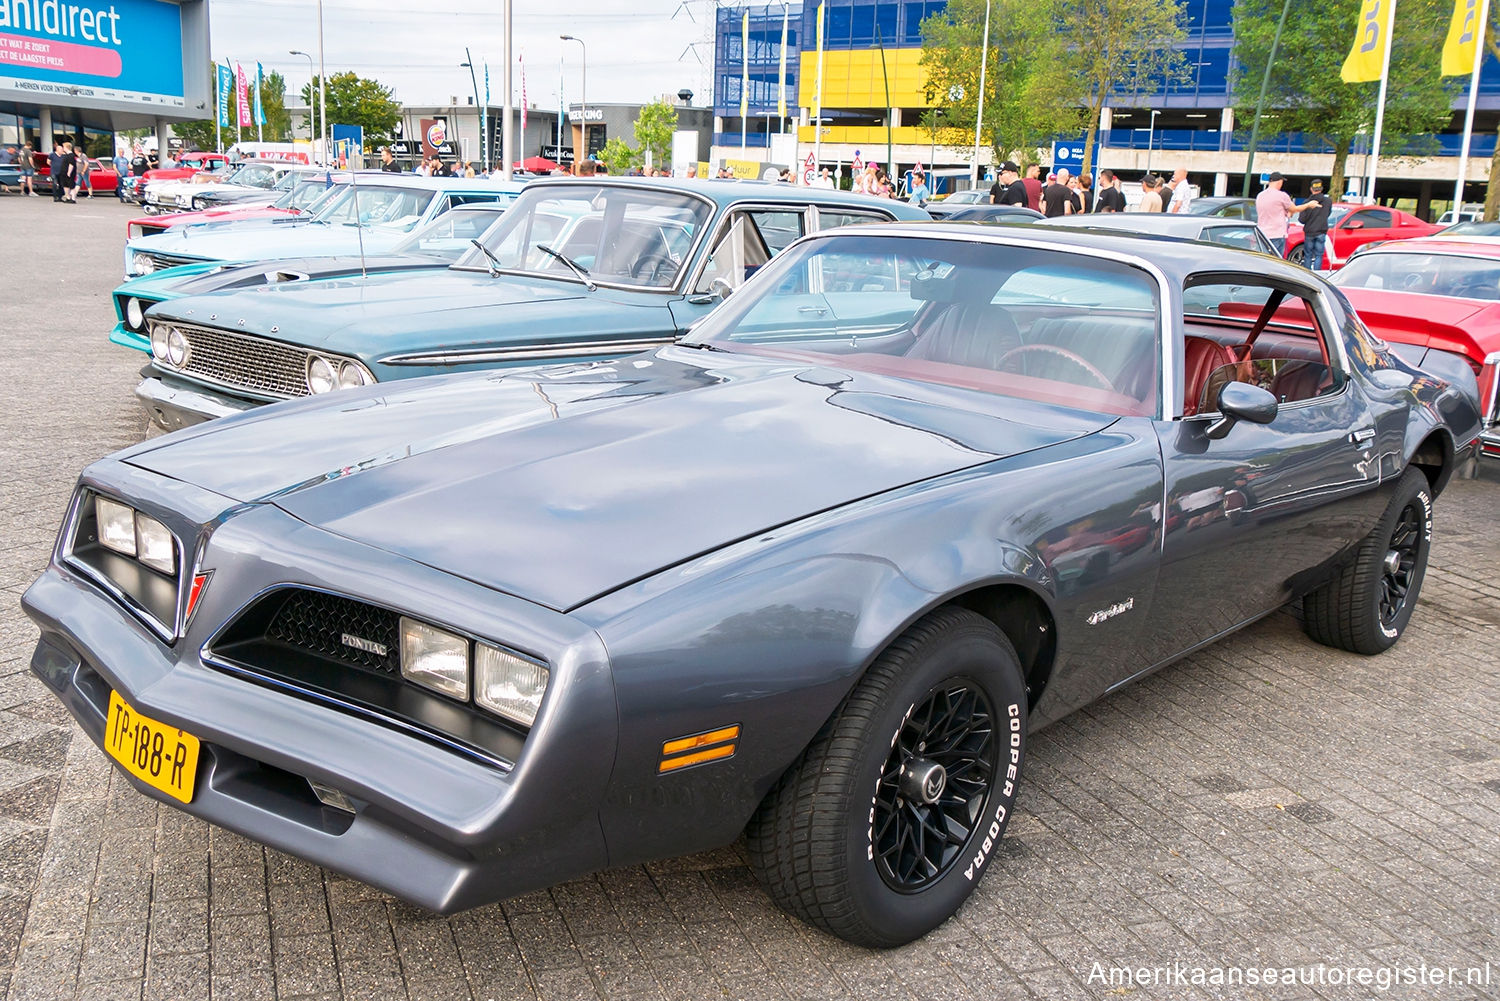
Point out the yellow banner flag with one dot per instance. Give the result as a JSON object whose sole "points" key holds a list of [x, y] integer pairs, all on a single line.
{"points": [[1367, 56], [781, 82], [818, 95], [1463, 39]]}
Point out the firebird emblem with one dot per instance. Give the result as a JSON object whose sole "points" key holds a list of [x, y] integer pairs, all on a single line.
{"points": [[360, 643], [1118, 608]]}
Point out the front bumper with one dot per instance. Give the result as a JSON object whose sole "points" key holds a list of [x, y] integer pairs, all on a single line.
{"points": [[433, 827], [177, 406]]}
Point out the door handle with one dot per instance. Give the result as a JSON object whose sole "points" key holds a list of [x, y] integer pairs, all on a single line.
{"points": [[820, 310], [1362, 436]]}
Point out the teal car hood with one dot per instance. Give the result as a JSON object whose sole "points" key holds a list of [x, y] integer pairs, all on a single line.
{"points": [[263, 242], [373, 318]]}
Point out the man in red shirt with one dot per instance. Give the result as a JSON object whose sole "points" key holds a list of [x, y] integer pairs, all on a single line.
{"points": [[1033, 187]]}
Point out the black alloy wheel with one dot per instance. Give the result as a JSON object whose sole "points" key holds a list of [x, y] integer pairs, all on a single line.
{"points": [[933, 786], [1399, 565]]}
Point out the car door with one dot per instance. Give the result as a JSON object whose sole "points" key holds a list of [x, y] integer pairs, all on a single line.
{"points": [[746, 238], [1248, 515], [1362, 226]]}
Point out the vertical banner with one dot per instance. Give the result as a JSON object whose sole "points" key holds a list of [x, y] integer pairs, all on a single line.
{"points": [[781, 79], [744, 72], [226, 94], [242, 96], [818, 95], [1371, 40], [260, 84], [522, 61], [1460, 50]]}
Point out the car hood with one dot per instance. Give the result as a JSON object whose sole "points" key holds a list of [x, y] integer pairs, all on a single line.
{"points": [[265, 239], [200, 279], [563, 483], [424, 309]]}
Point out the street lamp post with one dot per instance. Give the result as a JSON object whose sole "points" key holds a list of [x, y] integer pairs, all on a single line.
{"points": [[478, 108], [1151, 139], [322, 87], [312, 118], [984, 58], [583, 125]]}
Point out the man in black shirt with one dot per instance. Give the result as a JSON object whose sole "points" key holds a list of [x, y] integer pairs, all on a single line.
{"points": [[1314, 219], [1057, 198], [1110, 197], [387, 162], [1008, 190]]}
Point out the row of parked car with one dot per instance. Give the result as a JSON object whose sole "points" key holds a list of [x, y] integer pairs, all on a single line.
{"points": [[728, 508], [415, 242]]}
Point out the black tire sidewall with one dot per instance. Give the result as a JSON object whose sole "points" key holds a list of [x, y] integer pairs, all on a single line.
{"points": [[1414, 488], [977, 654]]}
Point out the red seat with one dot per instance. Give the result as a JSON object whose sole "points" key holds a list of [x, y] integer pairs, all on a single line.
{"points": [[1200, 356]]}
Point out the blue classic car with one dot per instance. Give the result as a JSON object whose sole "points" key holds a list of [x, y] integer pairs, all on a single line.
{"points": [[433, 247], [373, 215], [814, 575], [575, 269]]}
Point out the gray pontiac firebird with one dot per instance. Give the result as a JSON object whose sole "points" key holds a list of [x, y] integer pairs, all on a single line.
{"points": [[811, 575]]}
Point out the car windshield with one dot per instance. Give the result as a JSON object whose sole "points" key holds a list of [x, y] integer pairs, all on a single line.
{"points": [[1451, 275], [447, 237], [1038, 324], [309, 194], [620, 235], [375, 206], [1473, 227]]}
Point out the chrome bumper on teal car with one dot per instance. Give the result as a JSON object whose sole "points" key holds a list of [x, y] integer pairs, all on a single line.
{"points": [[174, 406]]}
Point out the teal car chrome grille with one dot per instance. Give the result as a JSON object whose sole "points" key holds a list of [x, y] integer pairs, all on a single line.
{"points": [[251, 364]]}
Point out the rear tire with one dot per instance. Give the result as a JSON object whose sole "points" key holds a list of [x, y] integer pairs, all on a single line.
{"points": [[885, 824], [1297, 254], [1366, 608]]}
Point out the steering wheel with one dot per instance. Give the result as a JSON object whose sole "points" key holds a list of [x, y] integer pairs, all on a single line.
{"points": [[1051, 349], [654, 269]]}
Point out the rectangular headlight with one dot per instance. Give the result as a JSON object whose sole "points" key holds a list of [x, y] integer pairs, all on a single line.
{"points": [[116, 525], [435, 658], [507, 685], [154, 545]]}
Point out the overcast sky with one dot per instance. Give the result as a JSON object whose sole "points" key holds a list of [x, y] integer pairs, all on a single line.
{"points": [[635, 47]]}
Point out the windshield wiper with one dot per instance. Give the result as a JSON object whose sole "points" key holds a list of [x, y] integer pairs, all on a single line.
{"points": [[494, 264], [578, 269]]}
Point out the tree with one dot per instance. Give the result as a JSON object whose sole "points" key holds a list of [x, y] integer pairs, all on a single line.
{"points": [[1023, 106], [1305, 93], [355, 100], [618, 156], [654, 127], [1118, 47]]}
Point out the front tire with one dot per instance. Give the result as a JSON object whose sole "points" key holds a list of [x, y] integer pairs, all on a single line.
{"points": [[1366, 608], [1297, 254], [885, 824]]}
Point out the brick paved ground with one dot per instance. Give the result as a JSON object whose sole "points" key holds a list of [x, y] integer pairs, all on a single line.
{"points": [[1265, 802]]}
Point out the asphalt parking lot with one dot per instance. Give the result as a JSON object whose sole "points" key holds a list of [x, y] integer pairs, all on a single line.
{"points": [[1265, 804]]}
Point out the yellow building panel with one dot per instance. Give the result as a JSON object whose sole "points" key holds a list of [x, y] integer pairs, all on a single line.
{"points": [[867, 135], [853, 79]]}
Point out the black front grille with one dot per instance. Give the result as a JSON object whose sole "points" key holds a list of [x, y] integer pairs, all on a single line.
{"points": [[340, 629]]}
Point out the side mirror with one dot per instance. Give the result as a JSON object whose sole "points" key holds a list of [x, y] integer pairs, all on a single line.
{"points": [[720, 288], [1354, 224], [1240, 401]]}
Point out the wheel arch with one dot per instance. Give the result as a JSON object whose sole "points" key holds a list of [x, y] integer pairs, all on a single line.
{"points": [[1435, 458]]}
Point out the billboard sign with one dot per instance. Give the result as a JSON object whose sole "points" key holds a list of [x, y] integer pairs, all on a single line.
{"points": [[126, 53]]}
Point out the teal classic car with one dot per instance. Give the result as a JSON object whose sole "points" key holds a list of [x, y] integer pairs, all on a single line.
{"points": [[433, 247], [576, 269], [374, 213]]}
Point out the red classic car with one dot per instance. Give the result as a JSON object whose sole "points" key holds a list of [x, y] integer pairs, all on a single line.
{"points": [[302, 195], [102, 176], [1435, 300], [188, 164], [1352, 226]]}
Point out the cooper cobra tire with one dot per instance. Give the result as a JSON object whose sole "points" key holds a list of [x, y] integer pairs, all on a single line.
{"points": [[1366, 607], [860, 837]]}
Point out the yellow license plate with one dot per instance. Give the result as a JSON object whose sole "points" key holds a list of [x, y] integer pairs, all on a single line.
{"points": [[161, 756]]}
